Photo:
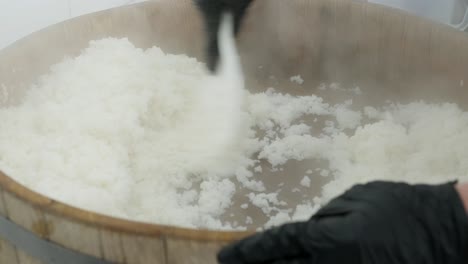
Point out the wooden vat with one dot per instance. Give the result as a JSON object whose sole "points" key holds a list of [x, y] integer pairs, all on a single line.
{"points": [[386, 52]]}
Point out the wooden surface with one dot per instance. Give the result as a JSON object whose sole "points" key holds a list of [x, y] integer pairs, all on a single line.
{"points": [[8, 253], [384, 51]]}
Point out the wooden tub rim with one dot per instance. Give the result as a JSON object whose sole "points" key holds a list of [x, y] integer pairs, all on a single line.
{"points": [[110, 223]]}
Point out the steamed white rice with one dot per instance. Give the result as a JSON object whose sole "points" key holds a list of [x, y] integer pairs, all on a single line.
{"points": [[130, 133]]}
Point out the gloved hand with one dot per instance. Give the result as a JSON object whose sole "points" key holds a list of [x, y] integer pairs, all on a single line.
{"points": [[375, 223], [212, 11]]}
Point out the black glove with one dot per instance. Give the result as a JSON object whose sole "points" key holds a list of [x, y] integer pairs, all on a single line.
{"points": [[376, 223], [212, 11]]}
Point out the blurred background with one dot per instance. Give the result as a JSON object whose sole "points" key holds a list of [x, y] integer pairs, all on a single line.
{"points": [[19, 18]]}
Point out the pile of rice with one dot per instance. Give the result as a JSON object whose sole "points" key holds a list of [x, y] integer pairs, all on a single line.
{"points": [[149, 136]]}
